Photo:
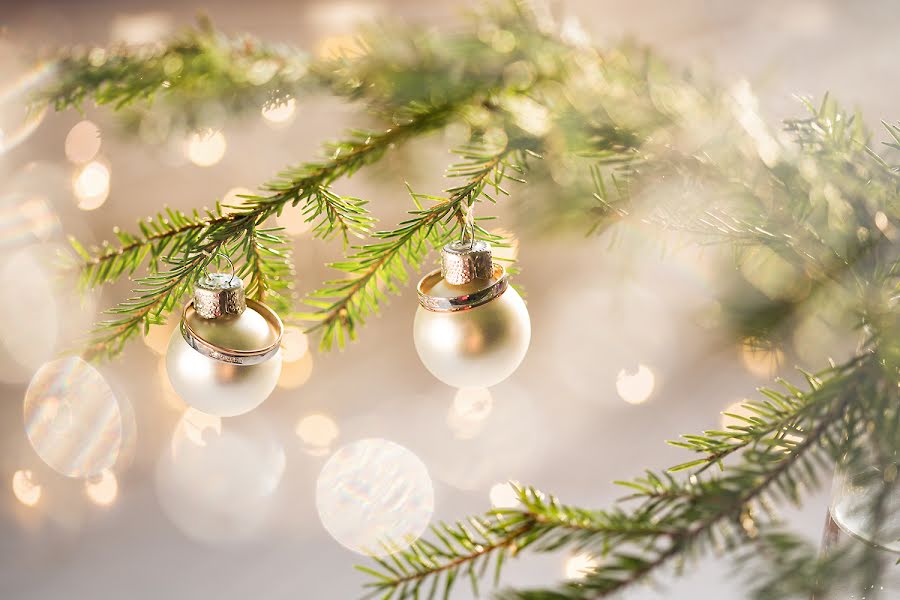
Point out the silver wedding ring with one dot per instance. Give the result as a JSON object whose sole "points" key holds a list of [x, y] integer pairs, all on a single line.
{"points": [[230, 355], [463, 302]]}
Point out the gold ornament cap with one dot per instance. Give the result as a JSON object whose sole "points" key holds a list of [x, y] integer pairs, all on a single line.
{"points": [[462, 261], [219, 294]]}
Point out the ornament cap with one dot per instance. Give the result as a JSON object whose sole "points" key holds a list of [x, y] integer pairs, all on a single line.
{"points": [[219, 294], [464, 261]]}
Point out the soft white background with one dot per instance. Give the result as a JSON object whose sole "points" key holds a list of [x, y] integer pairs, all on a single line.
{"points": [[557, 424]]}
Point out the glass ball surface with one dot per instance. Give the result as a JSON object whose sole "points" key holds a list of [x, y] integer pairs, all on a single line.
{"points": [[216, 387], [479, 347]]}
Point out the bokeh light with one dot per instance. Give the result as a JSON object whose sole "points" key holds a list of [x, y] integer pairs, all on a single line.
{"points": [[293, 220], [374, 492], [170, 397], [20, 79], [318, 432], [295, 373], [579, 565], [764, 362], [91, 185], [205, 149], [508, 248], [29, 319], [728, 420], [504, 495], [25, 488], [140, 28], [636, 387], [294, 344], [73, 419], [103, 489], [217, 480], [469, 411], [25, 219], [281, 113], [232, 198], [194, 426], [83, 142], [157, 337]]}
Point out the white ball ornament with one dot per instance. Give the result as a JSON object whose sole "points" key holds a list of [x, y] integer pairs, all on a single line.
{"points": [[224, 359], [471, 329]]}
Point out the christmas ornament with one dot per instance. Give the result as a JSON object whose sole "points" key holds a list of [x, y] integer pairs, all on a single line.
{"points": [[471, 328], [225, 358]]}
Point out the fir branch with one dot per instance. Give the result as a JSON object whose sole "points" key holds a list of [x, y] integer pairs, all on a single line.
{"points": [[678, 518], [191, 71], [380, 267], [466, 549], [154, 297]]}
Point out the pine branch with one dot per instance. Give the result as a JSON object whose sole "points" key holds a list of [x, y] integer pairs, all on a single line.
{"points": [[377, 268], [677, 518], [466, 549], [154, 297], [198, 67], [268, 269]]}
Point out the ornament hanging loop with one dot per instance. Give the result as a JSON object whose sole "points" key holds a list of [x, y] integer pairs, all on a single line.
{"points": [[207, 274], [467, 233]]}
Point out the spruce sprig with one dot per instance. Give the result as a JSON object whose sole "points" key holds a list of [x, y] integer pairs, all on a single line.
{"points": [[193, 70], [792, 437], [375, 269]]}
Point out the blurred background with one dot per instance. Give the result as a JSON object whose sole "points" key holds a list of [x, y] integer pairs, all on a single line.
{"points": [[628, 346]]}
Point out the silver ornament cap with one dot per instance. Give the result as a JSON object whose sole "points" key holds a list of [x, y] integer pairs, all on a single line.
{"points": [[219, 294], [468, 278], [462, 261]]}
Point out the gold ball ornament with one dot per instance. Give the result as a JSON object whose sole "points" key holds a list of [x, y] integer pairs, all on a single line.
{"points": [[471, 329], [224, 358]]}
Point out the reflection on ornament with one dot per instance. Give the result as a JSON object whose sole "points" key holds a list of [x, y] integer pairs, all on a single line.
{"points": [[216, 482], [762, 362], [504, 495], [91, 185], [280, 113], [580, 565], [206, 149], [635, 388], [294, 344], [318, 432], [374, 492], [25, 489], [82, 142], [73, 419], [295, 374], [103, 489], [470, 409]]}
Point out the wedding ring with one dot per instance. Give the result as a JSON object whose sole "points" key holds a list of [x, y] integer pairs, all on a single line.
{"points": [[230, 355], [464, 302]]}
